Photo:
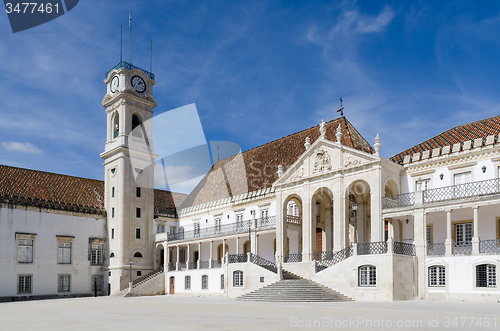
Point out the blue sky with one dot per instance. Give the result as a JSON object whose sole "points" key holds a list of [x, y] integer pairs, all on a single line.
{"points": [[256, 70]]}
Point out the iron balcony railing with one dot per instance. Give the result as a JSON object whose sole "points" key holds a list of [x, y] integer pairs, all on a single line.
{"points": [[269, 265], [193, 265], [213, 231], [204, 264], [462, 247], [171, 267], [489, 246], [461, 191], [266, 223], [379, 247], [436, 249], [216, 263], [293, 258], [130, 66], [182, 266], [324, 260], [400, 200], [403, 248], [238, 258]]}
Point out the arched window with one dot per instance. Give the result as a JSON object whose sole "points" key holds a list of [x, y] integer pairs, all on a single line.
{"points": [[136, 123], [238, 278], [437, 276], [138, 254], [486, 275], [116, 126], [112, 255], [204, 282], [187, 282], [367, 276], [293, 209]]}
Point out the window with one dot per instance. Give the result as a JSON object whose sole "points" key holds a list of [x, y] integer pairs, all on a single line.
{"points": [[96, 254], [293, 210], [486, 275], [221, 282], [196, 229], [187, 282], [116, 126], [423, 185], [139, 273], [367, 276], [112, 255], [138, 254], [161, 228], [24, 284], [204, 282], [463, 234], [63, 283], [112, 212], [182, 256], [238, 278], [138, 192], [172, 230], [428, 235], [112, 233], [25, 251], [137, 233], [113, 192], [264, 215], [138, 212], [239, 221], [437, 276], [136, 122], [462, 179], [218, 225], [64, 252]]}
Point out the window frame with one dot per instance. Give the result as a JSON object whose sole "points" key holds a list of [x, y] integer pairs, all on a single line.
{"points": [[23, 239], [437, 276], [138, 192], [28, 276], [64, 247], [204, 282], [238, 278], [137, 233], [137, 212], [96, 253], [61, 286], [487, 276], [187, 282], [222, 284], [367, 276]]}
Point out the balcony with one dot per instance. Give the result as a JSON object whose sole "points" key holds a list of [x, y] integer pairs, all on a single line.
{"points": [[225, 229], [469, 191], [465, 248]]}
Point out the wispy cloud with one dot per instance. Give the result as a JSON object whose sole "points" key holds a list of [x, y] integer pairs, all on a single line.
{"points": [[21, 147]]}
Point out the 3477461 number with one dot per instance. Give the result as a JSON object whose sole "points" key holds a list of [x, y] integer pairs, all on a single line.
{"points": [[31, 7]]}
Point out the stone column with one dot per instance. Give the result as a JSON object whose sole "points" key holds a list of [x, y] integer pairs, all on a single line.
{"points": [[188, 252], [166, 258], [224, 251], [475, 231], [237, 245], [419, 217], [377, 223], [177, 263], [448, 242], [307, 227], [281, 227], [257, 244], [210, 256]]}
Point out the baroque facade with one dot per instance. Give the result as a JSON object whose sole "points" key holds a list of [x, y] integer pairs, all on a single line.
{"points": [[320, 204]]}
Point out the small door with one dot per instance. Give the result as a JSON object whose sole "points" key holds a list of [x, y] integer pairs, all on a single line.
{"points": [[172, 286], [319, 240]]}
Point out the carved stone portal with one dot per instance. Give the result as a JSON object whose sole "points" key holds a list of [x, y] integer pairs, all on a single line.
{"points": [[322, 161]]}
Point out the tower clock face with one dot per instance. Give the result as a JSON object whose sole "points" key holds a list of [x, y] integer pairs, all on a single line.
{"points": [[114, 84], [138, 84]]}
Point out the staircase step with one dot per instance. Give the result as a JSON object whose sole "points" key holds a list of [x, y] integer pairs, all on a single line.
{"points": [[294, 289]]}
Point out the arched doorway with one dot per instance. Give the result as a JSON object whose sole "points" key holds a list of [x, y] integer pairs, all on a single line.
{"points": [[172, 285], [359, 221], [292, 212], [322, 220]]}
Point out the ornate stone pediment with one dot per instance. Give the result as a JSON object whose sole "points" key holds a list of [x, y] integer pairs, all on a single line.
{"points": [[321, 161], [350, 161], [297, 174]]}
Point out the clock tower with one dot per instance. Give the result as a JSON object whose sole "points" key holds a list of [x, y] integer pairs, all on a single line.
{"points": [[129, 173]]}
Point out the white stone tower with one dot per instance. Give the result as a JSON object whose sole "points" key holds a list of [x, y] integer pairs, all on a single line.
{"points": [[129, 173]]}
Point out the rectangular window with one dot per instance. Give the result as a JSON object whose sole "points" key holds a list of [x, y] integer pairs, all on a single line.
{"points": [[238, 278], [428, 234], [138, 212], [462, 189], [112, 233], [486, 275], [221, 282], [172, 230], [112, 212], [161, 228], [218, 225], [25, 251], [138, 192], [64, 281], [24, 284], [139, 273], [64, 252], [182, 256], [264, 215], [367, 276], [423, 185], [187, 282], [196, 229], [112, 192], [437, 276], [462, 178], [463, 233], [204, 282], [239, 221], [137, 233], [97, 254]]}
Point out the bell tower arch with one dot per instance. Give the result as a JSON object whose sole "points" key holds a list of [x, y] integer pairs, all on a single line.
{"points": [[129, 172]]}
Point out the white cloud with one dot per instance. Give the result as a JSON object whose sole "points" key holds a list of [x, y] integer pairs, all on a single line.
{"points": [[21, 147], [375, 24]]}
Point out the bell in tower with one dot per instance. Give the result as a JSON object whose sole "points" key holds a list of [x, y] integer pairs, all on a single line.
{"points": [[129, 173]]}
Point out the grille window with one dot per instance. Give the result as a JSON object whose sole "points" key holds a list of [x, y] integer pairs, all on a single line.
{"points": [[64, 253], [367, 276], [96, 255], [24, 284], [25, 251], [437, 276], [187, 282], [238, 278], [221, 282], [486, 275], [204, 282]]}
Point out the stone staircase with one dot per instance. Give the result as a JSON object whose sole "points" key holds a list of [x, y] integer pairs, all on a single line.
{"points": [[293, 288], [147, 277]]}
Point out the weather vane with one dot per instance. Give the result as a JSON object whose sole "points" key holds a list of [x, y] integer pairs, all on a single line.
{"points": [[341, 110]]}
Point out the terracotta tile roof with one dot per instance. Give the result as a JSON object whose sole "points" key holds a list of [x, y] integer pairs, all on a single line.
{"points": [[459, 134], [61, 192], [256, 168]]}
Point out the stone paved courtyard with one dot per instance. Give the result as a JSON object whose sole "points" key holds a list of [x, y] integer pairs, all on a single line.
{"points": [[185, 313]]}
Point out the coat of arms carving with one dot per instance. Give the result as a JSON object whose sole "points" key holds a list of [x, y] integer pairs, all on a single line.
{"points": [[321, 161]]}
